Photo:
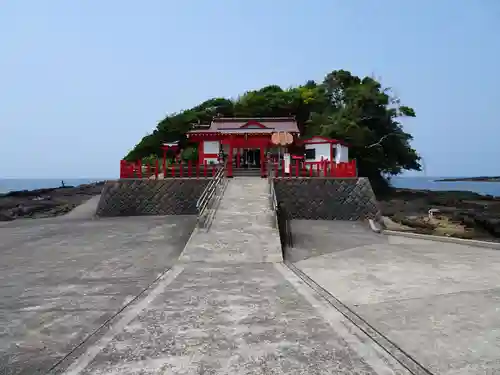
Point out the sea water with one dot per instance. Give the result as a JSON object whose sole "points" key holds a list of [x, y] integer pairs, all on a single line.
{"points": [[15, 184], [423, 183]]}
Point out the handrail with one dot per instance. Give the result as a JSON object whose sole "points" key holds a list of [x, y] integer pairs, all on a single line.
{"points": [[209, 192], [272, 191], [282, 221]]}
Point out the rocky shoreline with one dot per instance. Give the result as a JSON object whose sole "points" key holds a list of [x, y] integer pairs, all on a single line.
{"points": [[44, 203], [448, 213], [458, 214], [471, 179]]}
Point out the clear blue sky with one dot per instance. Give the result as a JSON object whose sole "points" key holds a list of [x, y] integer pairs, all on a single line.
{"points": [[82, 81]]}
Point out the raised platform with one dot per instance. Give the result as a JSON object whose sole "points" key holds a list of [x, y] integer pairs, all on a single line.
{"points": [[136, 197], [320, 198]]}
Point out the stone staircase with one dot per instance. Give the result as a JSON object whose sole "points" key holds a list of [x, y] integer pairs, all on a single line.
{"points": [[242, 230], [246, 172]]}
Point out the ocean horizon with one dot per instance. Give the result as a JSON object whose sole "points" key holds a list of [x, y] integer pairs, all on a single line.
{"points": [[420, 183], [17, 184]]}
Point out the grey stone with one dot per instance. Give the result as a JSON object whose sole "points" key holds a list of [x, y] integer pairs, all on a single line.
{"points": [[133, 197], [327, 198]]}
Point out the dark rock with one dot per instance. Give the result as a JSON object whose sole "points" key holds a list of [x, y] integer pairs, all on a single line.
{"points": [[42, 203], [479, 213]]}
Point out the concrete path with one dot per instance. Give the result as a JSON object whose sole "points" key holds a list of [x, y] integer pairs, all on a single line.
{"points": [[238, 319], [242, 230], [107, 297], [440, 302], [60, 281], [85, 210]]}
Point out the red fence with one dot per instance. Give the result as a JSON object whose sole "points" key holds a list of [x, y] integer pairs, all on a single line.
{"points": [[190, 169], [316, 169]]}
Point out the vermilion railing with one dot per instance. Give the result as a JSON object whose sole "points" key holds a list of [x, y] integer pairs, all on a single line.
{"points": [[299, 168], [156, 170]]}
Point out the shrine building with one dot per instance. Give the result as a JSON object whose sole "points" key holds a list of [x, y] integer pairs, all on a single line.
{"points": [[249, 140]]}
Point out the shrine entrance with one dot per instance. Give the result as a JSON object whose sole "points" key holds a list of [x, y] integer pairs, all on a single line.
{"points": [[250, 158], [246, 152]]}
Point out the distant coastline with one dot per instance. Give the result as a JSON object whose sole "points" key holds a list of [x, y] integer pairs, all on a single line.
{"points": [[476, 179]]}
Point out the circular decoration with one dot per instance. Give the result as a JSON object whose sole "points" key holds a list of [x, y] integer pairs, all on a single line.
{"points": [[275, 138]]}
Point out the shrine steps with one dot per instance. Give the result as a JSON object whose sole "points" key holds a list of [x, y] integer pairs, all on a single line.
{"points": [[246, 172]]}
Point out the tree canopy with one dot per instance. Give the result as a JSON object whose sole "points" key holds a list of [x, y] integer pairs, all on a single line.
{"points": [[359, 111]]}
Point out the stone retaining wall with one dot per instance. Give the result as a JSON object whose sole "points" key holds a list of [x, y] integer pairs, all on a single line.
{"points": [[327, 198], [136, 197]]}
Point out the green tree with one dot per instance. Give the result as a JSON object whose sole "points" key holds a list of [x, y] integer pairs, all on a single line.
{"points": [[366, 116]]}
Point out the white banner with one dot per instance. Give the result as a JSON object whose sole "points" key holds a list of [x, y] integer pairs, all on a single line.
{"points": [[286, 158]]}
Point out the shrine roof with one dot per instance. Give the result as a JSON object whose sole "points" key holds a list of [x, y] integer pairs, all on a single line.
{"points": [[233, 125]]}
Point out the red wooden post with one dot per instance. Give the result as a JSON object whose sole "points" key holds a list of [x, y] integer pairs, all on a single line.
{"points": [[157, 162], [189, 168], [164, 162], [262, 161], [213, 170], [172, 169], [122, 168], [310, 170], [230, 159], [341, 169], [139, 172], [205, 166], [129, 171]]}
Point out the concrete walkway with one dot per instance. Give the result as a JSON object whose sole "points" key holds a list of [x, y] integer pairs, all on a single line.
{"points": [[109, 296], [438, 301], [238, 319], [86, 210], [242, 230]]}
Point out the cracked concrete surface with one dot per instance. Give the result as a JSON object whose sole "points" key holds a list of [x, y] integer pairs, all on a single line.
{"points": [[440, 302], [242, 230], [236, 319], [109, 296], [60, 280]]}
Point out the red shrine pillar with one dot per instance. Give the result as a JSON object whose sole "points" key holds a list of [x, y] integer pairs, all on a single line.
{"points": [[263, 160], [164, 160], [230, 158]]}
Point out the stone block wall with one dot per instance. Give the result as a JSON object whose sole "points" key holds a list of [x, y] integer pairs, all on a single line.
{"points": [[136, 197], [327, 198]]}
